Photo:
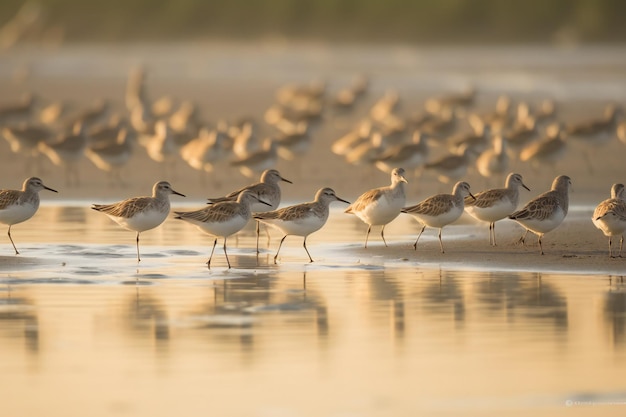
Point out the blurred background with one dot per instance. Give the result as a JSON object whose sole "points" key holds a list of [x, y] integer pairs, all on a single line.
{"points": [[111, 96], [421, 21]]}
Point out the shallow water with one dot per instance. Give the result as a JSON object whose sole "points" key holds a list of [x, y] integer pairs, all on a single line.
{"points": [[86, 330]]}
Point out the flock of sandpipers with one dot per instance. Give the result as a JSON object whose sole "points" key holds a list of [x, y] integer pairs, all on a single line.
{"points": [[225, 216], [390, 142]]}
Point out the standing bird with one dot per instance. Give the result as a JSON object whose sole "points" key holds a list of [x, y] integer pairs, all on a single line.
{"points": [[301, 219], [545, 212], [610, 216], [496, 204], [141, 213], [18, 206], [267, 189], [440, 210], [222, 219], [380, 206]]}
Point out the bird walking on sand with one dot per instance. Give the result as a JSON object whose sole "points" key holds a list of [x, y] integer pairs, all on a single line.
{"points": [[141, 213], [496, 204], [380, 206], [545, 212], [223, 219], [610, 216], [17, 206], [440, 210], [301, 219], [267, 189]]}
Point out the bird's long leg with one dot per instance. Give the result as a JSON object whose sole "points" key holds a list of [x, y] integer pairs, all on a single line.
{"points": [[211, 257], [307, 251], [540, 247], [621, 243], [382, 234], [11, 239], [279, 246], [418, 237], [258, 230], [369, 228], [138, 259], [440, 242], [267, 233], [522, 239], [610, 247], [226, 254]]}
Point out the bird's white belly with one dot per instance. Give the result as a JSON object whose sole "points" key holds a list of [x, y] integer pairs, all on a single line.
{"points": [[491, 214], [381, 211], [142, 221], [610, 225], [439, 220], [17, 213], [222, 229], [546, 225], [301, 227]]}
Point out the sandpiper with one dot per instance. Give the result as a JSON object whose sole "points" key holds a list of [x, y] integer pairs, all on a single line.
{"points": [[267, 189], [222, 219], [141, 213], [380, 206], [440, 210], [17, 206], [301, 219], [496, 204], [610, 216], [545, 212]]}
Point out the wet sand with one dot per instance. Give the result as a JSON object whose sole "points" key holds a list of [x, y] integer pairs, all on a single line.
{"points": [[89, 240]]}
